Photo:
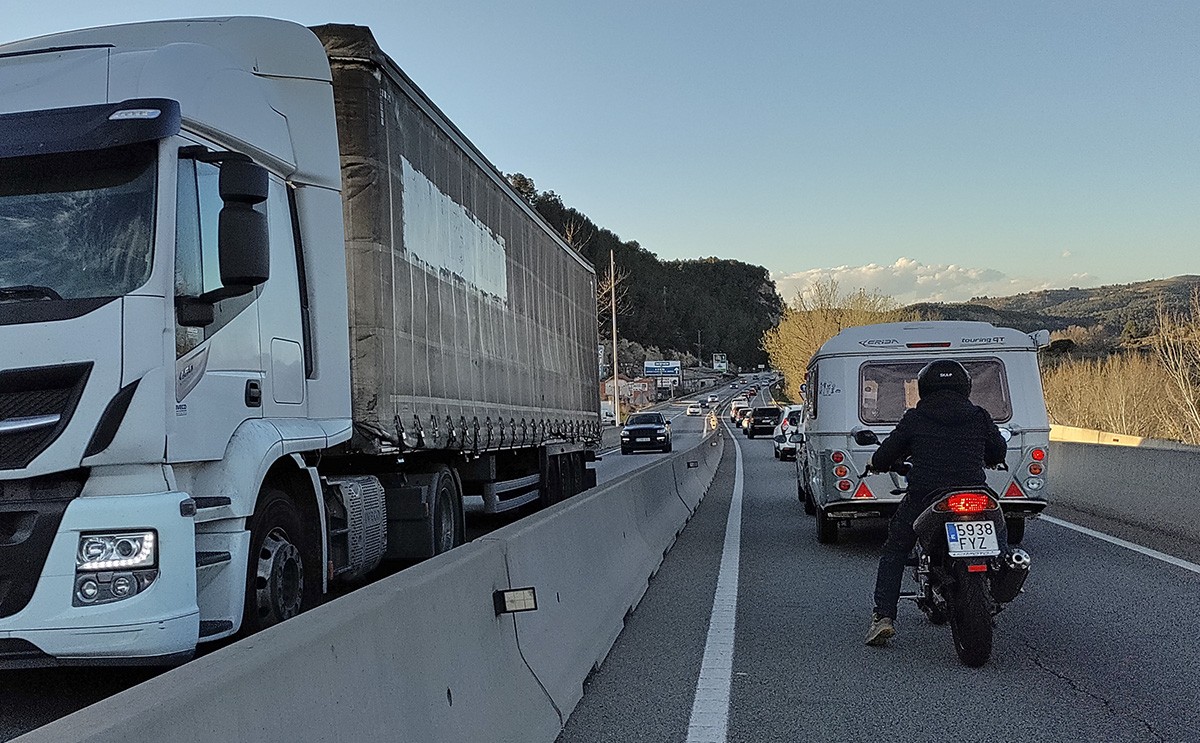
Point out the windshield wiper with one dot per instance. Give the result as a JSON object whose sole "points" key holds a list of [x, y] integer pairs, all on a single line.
{"points": [[27, 291]]}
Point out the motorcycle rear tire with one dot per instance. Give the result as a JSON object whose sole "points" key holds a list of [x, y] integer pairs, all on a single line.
{"points": [[971, 619]]}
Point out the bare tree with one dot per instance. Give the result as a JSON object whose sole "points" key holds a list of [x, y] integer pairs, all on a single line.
{"points": [[814, 316], [609, 285], [574, 235], [1177, 343]]}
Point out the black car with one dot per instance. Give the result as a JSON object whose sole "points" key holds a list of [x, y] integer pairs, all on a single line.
{"points": [[763, 420], [646, 431]]}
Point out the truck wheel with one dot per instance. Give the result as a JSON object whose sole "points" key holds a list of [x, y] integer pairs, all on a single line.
{"points": [[827, 528], [447, 513], [1016, 530], [284, 576]]}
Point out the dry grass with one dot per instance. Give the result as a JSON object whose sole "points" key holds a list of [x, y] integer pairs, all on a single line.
{"points": [[1154, 394]]}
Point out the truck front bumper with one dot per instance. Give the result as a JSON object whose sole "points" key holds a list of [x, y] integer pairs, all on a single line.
{"points": [[158, 624]]}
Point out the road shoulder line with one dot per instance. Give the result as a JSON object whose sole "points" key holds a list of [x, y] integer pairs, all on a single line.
{"points": [[1162, 556]]}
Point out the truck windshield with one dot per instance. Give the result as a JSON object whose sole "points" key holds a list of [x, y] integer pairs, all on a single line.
{"points": [[887, 388], [76, 225]]}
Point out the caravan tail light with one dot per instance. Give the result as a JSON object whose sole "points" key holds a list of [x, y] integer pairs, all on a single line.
{"points": [[1039, 455], [838, 457], [841, 471], [1035, 468]]}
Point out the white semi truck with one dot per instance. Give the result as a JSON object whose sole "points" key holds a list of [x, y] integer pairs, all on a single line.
{"points": [[267, 319]]}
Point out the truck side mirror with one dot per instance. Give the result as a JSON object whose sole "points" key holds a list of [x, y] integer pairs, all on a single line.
{"points": [[865, 437], [244, 245]]}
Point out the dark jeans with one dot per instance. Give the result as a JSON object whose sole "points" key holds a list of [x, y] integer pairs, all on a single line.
{"points": [[899, 545]]}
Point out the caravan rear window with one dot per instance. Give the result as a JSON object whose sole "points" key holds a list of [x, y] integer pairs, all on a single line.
{"points": [[887, 388]]}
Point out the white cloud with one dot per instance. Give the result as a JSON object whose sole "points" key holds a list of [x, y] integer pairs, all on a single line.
{"points": [[908, 281]]}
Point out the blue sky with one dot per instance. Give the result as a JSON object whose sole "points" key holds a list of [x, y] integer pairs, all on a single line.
{"points": [[929, 150]]}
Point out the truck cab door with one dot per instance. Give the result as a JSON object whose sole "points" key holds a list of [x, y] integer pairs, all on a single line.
{"points": [[218, 368]]}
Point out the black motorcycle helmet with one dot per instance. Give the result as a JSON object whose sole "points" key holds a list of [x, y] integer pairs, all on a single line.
{"points": [[944, 374]]}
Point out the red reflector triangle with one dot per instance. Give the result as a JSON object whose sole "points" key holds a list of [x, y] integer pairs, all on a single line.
{"points": [[1013, 491], [863, 491]]}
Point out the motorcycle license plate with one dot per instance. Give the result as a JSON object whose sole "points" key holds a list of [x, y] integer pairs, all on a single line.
{"points": [[972, 539]]}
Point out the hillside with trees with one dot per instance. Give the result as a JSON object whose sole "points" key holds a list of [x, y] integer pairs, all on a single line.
{"points": [[1116, 310], [669, 309]]}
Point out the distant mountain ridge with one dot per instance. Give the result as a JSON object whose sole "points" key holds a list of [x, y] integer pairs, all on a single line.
{"points": [[1112, 306]]}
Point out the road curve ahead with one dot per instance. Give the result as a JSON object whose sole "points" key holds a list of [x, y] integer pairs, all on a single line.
{"points": [[1101, 647]]}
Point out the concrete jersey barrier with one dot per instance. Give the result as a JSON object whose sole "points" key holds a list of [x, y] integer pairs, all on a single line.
{"points": [[421, 656]]}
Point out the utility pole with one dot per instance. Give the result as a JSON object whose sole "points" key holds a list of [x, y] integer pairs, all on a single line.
{"points": [[699, 351], [612, 303]]}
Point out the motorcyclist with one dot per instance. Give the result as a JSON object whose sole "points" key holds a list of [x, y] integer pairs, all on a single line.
{"points": [[948, 441]]}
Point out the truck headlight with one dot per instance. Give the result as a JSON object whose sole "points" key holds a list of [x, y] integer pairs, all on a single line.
{"points": [[116, 551], [114, 566]]}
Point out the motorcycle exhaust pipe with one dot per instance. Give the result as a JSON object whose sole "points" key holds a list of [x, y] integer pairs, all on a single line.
{"points": [[1017, 559], [1008, 580]]}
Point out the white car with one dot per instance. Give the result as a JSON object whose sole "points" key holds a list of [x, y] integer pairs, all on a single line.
{"points": [[712, 399], [693, 410], [791, 422]]}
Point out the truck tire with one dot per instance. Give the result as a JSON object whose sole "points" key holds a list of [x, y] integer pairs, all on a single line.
{"points": [[448, 524], [971, 619], [283, 572], [1016, 530], [827, 528]]}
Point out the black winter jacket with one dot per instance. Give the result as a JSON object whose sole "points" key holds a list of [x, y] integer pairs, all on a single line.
{"points": [[948, 440]]}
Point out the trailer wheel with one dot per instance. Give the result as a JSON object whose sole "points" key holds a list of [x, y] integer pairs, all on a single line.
{"points": [[283, 577], [1016, 530], [447, 512], [827, 528]]}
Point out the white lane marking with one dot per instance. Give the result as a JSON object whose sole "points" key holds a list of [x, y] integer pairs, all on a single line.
{"points": [[710, 706], [1169, 559]]}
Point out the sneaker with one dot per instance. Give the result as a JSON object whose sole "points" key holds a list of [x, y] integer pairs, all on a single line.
{"points": [[881, 630]]}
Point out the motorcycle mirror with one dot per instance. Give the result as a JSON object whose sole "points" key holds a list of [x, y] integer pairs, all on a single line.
{"points": [[866, 437]]}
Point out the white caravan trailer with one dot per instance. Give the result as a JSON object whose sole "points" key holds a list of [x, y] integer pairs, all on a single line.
{"points": [[864, 378]]}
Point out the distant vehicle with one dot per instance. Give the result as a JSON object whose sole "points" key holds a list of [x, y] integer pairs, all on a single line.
{"points": [[865, 378], [744, 420], [608, 416], [693, 410], [713, 398], [763, 420], [646, 431], [736, 407], [790, 422]]}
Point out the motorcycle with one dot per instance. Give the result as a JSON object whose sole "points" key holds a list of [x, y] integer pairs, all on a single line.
{"points": [[964, 568]]}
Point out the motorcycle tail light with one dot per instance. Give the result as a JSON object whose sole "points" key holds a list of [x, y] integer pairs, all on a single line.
{"points": [[969, 503], [977, 568], [1035, 468]]}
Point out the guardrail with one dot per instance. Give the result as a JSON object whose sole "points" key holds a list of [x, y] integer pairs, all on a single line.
{"points": [[423, 655]]}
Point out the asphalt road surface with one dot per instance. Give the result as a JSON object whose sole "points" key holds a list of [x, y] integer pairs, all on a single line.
{"points": [[1100, 647]]}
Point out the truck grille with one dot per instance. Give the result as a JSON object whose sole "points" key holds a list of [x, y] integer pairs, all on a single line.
{"points": [[29, 395], [30, 513]]}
